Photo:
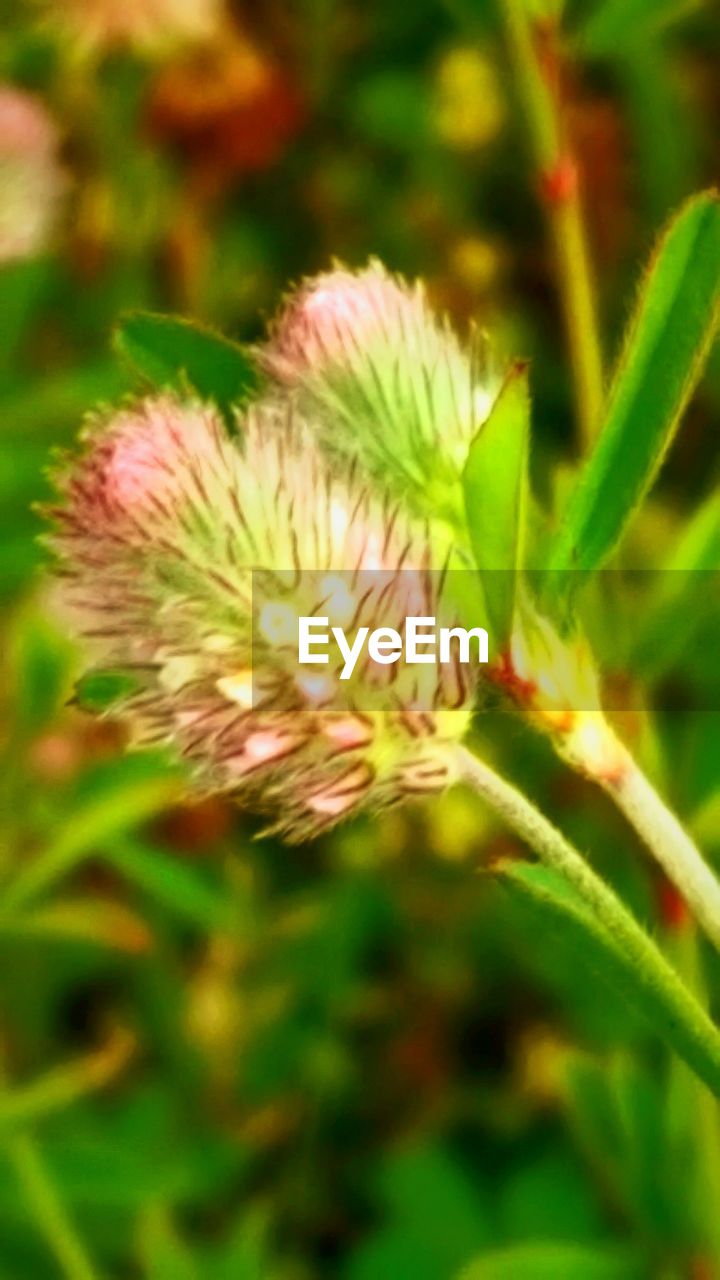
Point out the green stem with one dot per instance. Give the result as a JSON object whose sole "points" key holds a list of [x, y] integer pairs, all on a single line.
{"points": [[49, 1213], [557, 172], [693, 1033], [672, 846], [603, 758]]}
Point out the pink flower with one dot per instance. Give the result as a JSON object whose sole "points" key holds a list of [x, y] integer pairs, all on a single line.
{"points": [[31, 179], [187, 559], [385, 382]]}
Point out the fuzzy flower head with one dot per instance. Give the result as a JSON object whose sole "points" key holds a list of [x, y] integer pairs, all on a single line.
{"points": [[31, 179], [187, 559], [388, 383]]}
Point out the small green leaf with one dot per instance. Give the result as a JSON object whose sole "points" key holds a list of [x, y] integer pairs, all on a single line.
{"points": [[170, 352], [548, 1260], [99, 691], [665, 349], [495, 489], [705, 823]]}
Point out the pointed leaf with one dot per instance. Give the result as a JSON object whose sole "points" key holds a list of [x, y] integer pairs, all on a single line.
{"points": [[170, 352], [551, 899], [665, 349], [178, 886], [495, 488], [95, 823]]}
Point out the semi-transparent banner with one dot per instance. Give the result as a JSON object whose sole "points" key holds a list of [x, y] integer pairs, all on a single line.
{"points": [[373, 639]]}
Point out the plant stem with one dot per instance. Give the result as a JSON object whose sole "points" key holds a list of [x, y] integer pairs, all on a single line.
{"points": [[596, 751], [49, 1213], [558, 176], [671, 845], [693, 1032]]}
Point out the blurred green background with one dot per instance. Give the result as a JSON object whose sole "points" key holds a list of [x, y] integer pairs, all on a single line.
{"points": [[225, 1059]]}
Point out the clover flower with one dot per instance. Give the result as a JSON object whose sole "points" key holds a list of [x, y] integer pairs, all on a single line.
{"points": [[31, 178], [187, 557], [385, 381]]}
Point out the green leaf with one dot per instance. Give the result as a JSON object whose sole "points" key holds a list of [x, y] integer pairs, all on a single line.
{"points": [[547, 897], [668, 340], [547, 1260], [163, 1251], [170, 352], [668, 160], [175, 884], [435, 1217], [245, 1254], [99, 691], [705, 823], [621, 1113], [495, 490], [38, 669], [129, 802], [615, 24], [22, 286], [685, 597]]}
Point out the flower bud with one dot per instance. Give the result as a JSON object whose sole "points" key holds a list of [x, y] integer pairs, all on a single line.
{"points": [[188, 560], [386, 382], [552, 677]]}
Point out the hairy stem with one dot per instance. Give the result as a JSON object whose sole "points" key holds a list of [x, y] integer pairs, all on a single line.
{"points": [[595, 750], [558, 180], [692, 1032]]}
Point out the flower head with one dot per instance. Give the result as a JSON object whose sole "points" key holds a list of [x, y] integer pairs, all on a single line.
{"points": [[31, 179], [188, 559], [387, 382]]}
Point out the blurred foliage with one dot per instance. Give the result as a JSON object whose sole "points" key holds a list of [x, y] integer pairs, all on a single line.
{"points": [[227, 1060]]}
